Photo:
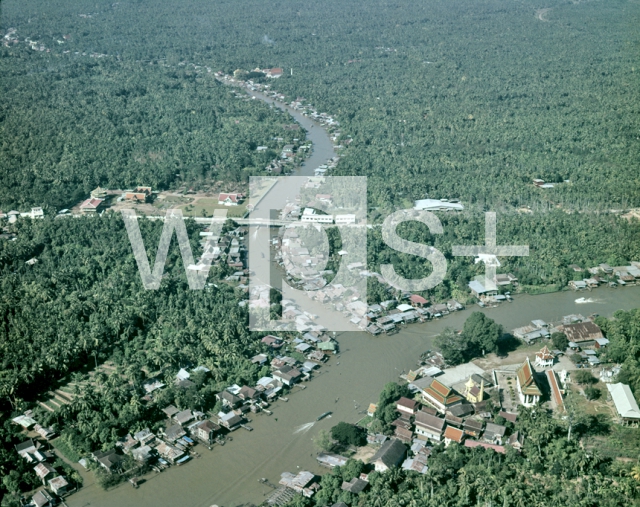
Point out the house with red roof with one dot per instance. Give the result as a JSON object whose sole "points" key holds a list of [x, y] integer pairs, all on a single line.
{"points": [[418, 301], [528, 389], [452, 434], [475, 443], [230, 199], [91, 205], [140, 194], [436, 394]]}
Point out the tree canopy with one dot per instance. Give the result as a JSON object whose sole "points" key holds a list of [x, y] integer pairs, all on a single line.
{"points": [[479, 335]]}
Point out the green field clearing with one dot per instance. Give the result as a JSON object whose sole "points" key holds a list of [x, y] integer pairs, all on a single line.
{"points": [[204, 207]]}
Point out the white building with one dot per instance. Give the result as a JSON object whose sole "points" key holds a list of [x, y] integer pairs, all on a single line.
{"points": [[544, 358], [429, 427], [626, 404], [345, 219], [437, 205], [310, 215], [34, 213]]}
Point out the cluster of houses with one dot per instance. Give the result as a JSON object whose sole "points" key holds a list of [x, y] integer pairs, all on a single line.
{"points": [[10, 38], [271, 73], [452, 405], [584, 335], [170, 445], [585, 341], [324, 168], [230, 248], [33, 452], [307, 484], [604, 274], [493, 293], [301, 265], [436, 414], [97, 199], [297, 104], [386, 316], [309, 212], [440, 413]]}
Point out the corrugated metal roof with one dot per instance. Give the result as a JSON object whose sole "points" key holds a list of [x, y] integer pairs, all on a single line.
{"points": [[624, 401]]}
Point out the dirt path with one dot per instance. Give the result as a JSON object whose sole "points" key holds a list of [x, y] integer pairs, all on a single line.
{"points": [[364, 453]]}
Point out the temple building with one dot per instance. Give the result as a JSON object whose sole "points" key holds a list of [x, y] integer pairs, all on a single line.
{"points": [[472, 392], [528, 389], [436, 394], [544, 358]]}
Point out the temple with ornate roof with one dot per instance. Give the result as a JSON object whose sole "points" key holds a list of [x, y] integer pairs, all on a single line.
{"points": [[474, 392], [528, 389], [544, 358], [436, 394]]}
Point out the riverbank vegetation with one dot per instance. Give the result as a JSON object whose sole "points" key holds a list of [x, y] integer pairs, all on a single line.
{"points": [[623, 332], [555, 239], [433, 106], [478, 337], [82, 304]]}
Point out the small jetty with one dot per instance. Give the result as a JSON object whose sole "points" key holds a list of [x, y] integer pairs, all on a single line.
{"points": [[246, 427], [267, 483]]}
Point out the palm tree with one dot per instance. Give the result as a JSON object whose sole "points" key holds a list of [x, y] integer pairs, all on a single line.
{"points": [[635, 473]]}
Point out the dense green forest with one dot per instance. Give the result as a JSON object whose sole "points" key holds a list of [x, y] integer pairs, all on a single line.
{"points": [[556, 239], [83, 298], [469, 101], [83, 304], [69, 123], [624, 333]]}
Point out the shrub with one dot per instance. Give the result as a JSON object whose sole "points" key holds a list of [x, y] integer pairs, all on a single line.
{"points": [[592, 393], [584, 377], [348, 434], [560, 341]]}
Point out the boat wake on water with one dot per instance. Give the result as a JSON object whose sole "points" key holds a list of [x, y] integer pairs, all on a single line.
{"points": [[581, 301], [304, 428]]}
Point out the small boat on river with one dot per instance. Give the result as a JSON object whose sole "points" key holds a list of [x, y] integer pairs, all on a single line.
{"points": [[322, 416]]}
